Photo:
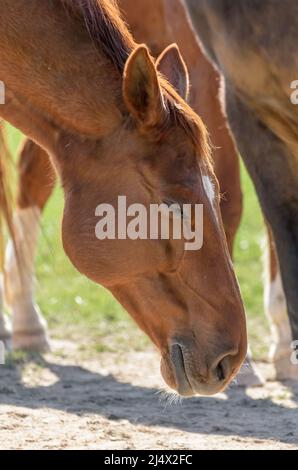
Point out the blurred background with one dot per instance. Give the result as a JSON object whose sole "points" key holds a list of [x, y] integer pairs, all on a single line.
{"points": [[75, 308]]}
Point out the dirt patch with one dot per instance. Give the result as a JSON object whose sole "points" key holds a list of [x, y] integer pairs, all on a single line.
{"points": [[66, 401]]}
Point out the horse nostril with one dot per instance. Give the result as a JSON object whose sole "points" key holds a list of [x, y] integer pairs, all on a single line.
{"points": [[220, 372], [223, 368]]}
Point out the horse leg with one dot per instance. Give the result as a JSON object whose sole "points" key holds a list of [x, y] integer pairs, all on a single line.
{"points": [[5, 328], [269, 163], [36, 182], [276, 311]]}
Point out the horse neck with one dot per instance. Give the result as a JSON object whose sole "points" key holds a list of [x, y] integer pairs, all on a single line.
{"points": [[154, 31], [55, 78], [181, 32]]}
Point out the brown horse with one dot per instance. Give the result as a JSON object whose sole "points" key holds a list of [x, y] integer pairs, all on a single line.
{"points": [[37, 176], [166, 22], [80, 87]]}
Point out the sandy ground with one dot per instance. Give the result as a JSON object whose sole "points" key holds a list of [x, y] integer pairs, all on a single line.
{"points": [[66, 401]]}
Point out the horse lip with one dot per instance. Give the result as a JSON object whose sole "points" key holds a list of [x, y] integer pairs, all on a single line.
{"points": [[183, 384]]}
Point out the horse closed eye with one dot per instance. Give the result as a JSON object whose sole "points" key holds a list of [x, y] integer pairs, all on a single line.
{"points": [[176, 207]]}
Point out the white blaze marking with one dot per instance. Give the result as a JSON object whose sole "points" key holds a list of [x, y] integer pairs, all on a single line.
{"points": [[210, 192], [209, 188]]}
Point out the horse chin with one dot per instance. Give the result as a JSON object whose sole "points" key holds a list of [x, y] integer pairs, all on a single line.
{"points": [[174, 373]]}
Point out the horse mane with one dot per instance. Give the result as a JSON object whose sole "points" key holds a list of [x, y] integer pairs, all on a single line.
{"points": [[105, 26], [111, 36]]}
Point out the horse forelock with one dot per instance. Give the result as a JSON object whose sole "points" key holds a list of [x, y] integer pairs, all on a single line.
{"points": [[186, 118]]}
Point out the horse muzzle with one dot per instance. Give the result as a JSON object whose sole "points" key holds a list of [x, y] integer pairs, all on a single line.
{"points": [[192, 374]]}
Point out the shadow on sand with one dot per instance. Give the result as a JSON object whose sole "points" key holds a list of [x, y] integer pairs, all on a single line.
{"points": [[80, 391]]}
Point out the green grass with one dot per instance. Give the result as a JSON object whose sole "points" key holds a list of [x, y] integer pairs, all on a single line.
{"points": [[249, 266], [73, 305]]}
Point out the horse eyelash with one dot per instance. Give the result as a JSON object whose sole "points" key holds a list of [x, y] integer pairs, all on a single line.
{"points": [[169, 203]]}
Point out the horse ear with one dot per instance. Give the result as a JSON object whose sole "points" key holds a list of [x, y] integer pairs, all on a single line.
{"points": [[141, 90], [171, 64]]}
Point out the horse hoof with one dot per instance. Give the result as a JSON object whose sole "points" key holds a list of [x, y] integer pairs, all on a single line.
{"points": [[31, 341], [249, 376], [5, 333], [285, 370], [7, 341]]}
